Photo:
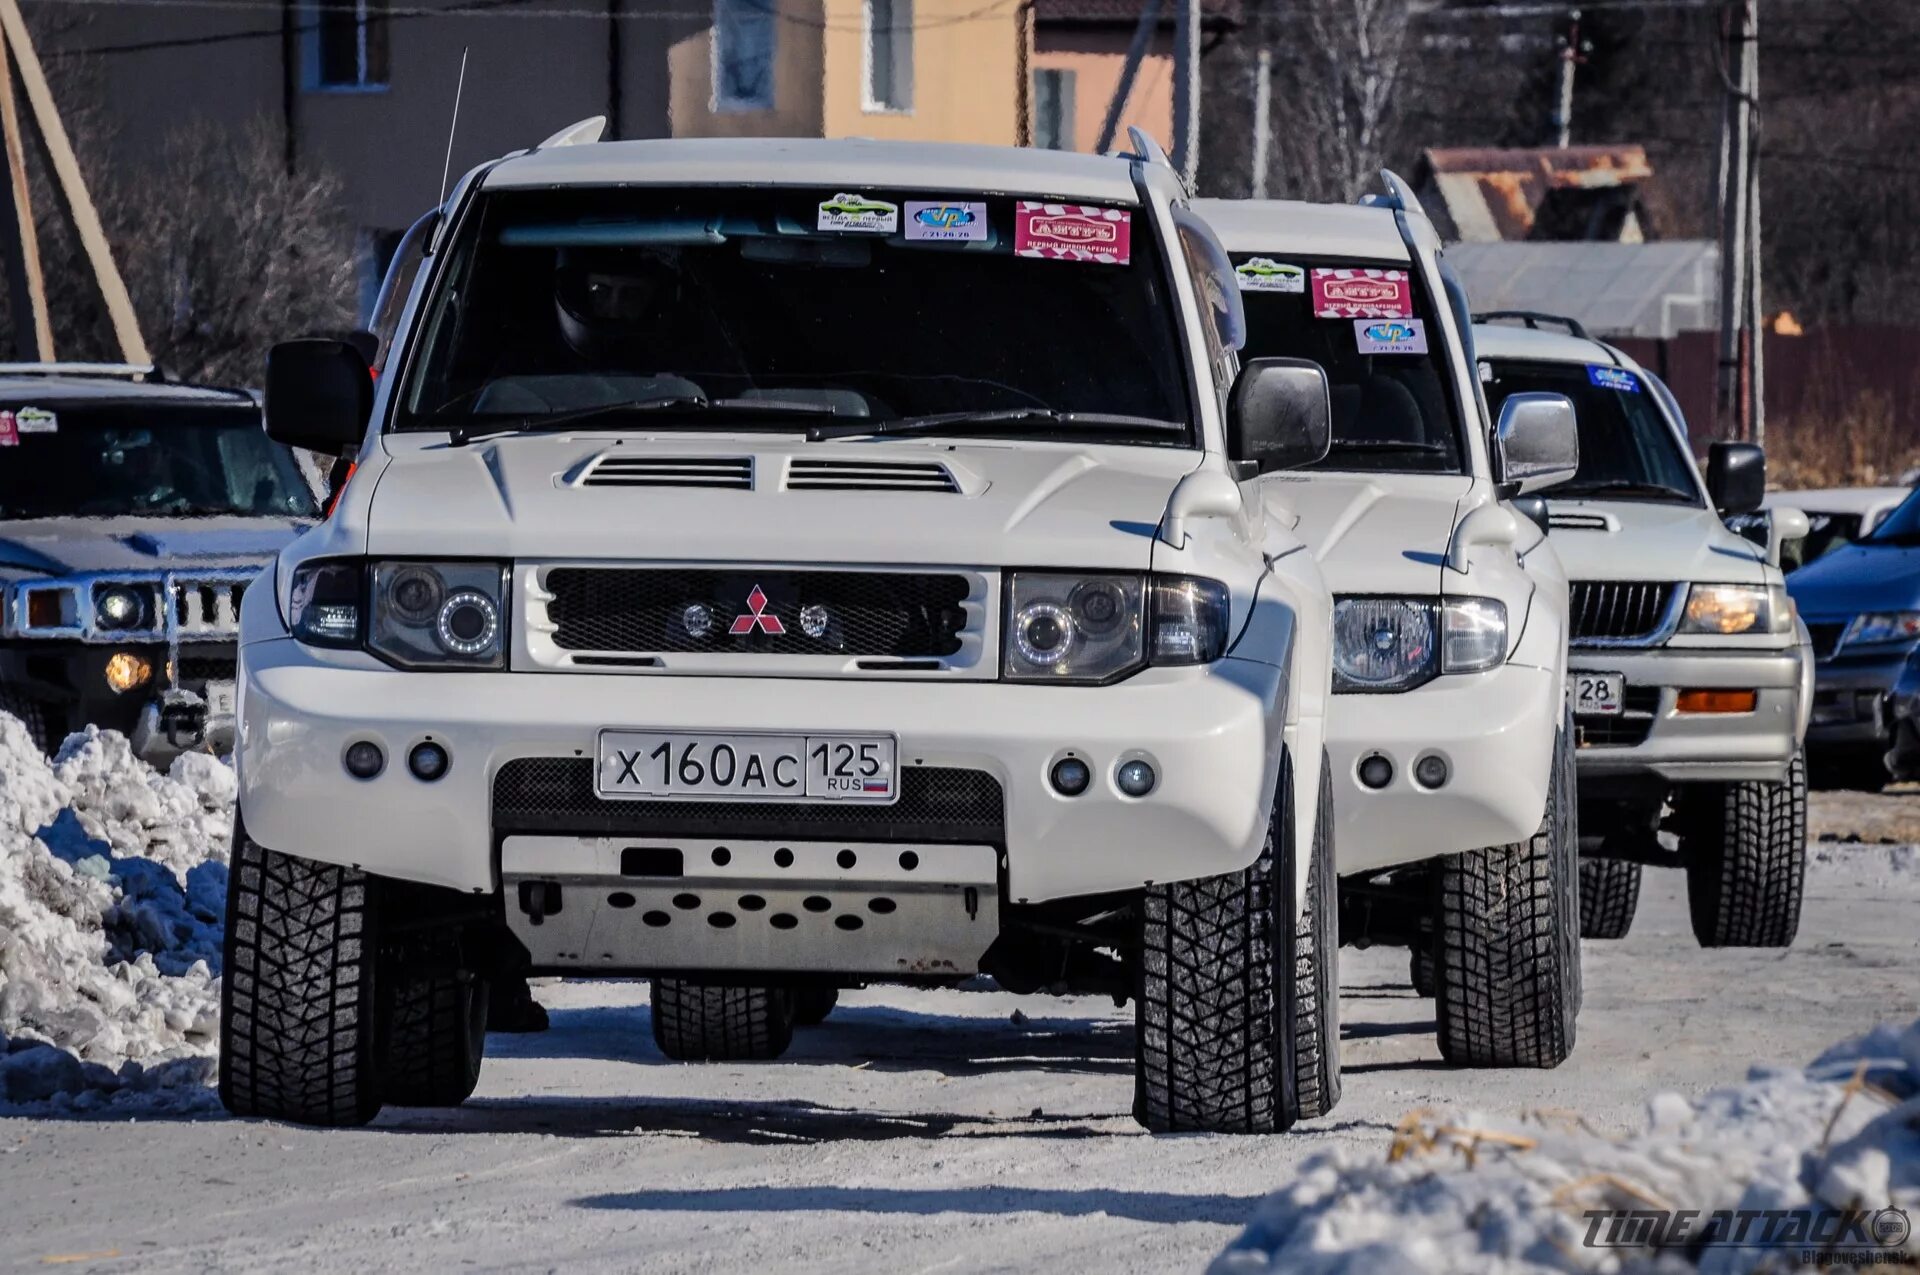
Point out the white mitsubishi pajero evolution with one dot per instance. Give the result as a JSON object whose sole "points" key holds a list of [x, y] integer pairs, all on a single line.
{"points": [[1691, 675], [1451, 751], [773, 566]]}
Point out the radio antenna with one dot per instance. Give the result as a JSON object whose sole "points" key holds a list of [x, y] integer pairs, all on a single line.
{"points": [[459, 87]]}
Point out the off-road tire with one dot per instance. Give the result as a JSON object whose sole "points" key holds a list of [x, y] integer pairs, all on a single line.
{"points": [[1237, 1028], [1507, 939], [299, 1027], [32, 714], [1420, 967], [1609, 895], [436, 1039], [1745, 847], [811, 1005], [718, 1022]]}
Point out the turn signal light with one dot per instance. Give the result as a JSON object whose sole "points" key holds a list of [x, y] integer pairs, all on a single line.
{"points": [[1716, 701], [125, 671]]}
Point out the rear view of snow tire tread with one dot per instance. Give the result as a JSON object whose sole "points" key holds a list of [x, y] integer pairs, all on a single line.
{"points": [[717, 1022], [1746, 853], [436, 1041], [298, 1022], [1507, 944], [1609, 896]]}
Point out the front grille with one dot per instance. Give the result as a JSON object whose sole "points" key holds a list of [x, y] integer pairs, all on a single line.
{"points": [[205, 606], [874, 613], [937, 805], [1612, 611], [870, 475], [1826, 637], [1625, 729], [207, 668], [733, 473]]}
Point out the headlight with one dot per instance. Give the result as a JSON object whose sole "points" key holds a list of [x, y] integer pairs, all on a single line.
{"points": [[1734, 608], [1882, 626], [1098, 628], [1395, 644], [122, 606], [414, 614]]}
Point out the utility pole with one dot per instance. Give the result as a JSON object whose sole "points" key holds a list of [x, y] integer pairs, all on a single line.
{"points": [[1262, 119], [1186, 89], [1738, 297], [1756, 307], [1572, 56]]}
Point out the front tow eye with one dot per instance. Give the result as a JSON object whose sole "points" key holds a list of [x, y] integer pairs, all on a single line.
{"points": [[539, 900]]}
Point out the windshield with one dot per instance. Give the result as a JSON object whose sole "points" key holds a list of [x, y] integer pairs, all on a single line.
{"points": [[130, 460], [1372, 327], [1901, 527], [1826, 533], [807, 304], [1627, 449]]}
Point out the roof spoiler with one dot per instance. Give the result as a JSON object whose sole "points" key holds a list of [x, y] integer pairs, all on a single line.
{"points": [[588, 130], [119, 371], [1535, 319]]}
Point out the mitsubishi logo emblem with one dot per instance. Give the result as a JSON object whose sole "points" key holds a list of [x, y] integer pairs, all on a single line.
{"points": [[757, 615]]}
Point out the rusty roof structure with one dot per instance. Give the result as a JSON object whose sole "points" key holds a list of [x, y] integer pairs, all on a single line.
{"points": [[1489, 195]]}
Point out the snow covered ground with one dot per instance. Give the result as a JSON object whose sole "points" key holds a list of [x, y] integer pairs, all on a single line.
{"points": [[913, 1131]]}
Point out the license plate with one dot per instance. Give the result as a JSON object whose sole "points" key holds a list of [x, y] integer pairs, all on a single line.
{"points": [[706, 767], [221, 697], [1597, 694]]}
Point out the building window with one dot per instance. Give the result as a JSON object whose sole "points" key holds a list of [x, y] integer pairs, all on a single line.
{"points": [[1053, 109], [347, 44], [743, 37], [889, 55]]}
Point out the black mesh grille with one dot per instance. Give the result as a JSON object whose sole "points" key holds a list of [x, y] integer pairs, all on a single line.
{"points": [[1619, 611], [1624, 729], [865, 612], [1826, 638], [936, 805], [207, 668]]}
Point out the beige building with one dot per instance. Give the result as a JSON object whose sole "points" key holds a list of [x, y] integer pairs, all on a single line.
{"points": [[930, 70], [1079, 53]]}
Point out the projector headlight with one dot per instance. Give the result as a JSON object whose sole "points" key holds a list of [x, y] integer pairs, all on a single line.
{"points": [[420, 615], [1084, 629], [1382, 645]]}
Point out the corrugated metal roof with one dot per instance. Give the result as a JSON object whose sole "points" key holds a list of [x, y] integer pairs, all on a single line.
{"points": [[1493, 194], [1653, 290]]}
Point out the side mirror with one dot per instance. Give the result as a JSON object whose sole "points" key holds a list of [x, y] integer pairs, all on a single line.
{"points": [[1736, 477], [1537, 443], [319, 394], [1280, 414]]}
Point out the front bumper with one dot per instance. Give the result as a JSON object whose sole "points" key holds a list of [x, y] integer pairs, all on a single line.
{"points": [[1495, 730], [185, 706], [1651, 739], [1213, 734], [1850, 699]]}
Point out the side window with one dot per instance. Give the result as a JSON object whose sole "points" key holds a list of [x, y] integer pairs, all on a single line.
{"points": [[889, 55], [743, 40], [346, 45], [1223, 322]]}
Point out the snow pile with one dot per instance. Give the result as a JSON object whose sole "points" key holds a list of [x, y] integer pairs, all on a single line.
{"points": [[113, 882], [1881, 864], [1460, 1192]]}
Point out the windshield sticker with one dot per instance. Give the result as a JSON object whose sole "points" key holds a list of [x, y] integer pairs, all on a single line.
{"points": [[35, 420], [9, 432], [1264, 274], [1361, 294], [859, 214], [1073, 232], [946, 223], [1613, 378], [1390, 336]]}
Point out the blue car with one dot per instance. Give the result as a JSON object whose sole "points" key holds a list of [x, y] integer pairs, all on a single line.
{"points": [[1862, 606]]}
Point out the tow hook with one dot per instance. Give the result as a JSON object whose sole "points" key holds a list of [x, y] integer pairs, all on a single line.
{"points": [[973, 903], [539, 900]]}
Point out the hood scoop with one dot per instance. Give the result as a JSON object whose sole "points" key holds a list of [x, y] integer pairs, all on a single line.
{"points": [[870, 475], [615, 469], [1581, 521]]}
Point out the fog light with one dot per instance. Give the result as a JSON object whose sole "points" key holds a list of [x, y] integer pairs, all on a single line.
{"points": [[428, 761], [1135, 778], [1071, 776], [1376, 771], [364, 759], [1716, 702], [125, 670], [1430, 771]]}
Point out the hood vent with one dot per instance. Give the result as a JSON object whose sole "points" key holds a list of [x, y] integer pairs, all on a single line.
{"points": [[1580, 522], [727, 473], [870, 475]]}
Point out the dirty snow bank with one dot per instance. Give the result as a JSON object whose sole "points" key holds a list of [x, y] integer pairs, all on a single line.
{"points": [[1463, 1192], [113, 880]]}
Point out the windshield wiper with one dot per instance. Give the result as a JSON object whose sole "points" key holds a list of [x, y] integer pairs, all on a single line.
{"points": [[969, 422], [1622, 488], [680, 404]]}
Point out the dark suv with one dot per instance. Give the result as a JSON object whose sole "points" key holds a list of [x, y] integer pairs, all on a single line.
{"points": [[134, 512]]}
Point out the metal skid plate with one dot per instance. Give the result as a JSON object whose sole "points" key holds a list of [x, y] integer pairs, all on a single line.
{"points": [[762, 906]]}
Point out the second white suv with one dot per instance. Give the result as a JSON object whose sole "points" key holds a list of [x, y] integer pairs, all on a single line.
{"points": [[1451, 750], [1691, 676]]}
